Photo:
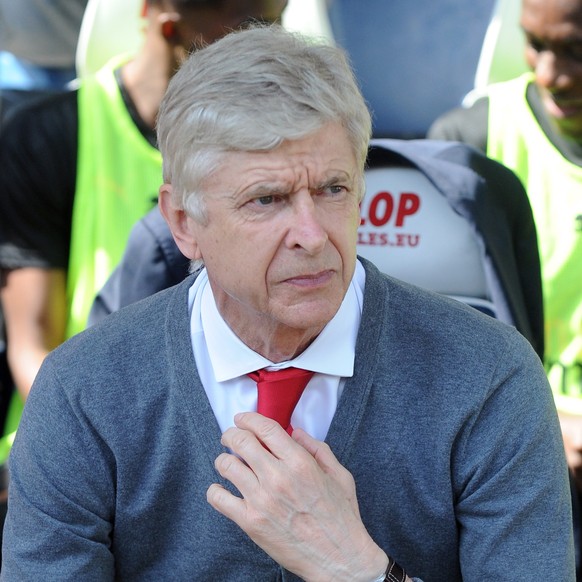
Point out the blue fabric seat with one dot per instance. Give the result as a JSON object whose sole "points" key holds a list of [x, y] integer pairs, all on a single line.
{"points": [[414, 60]]}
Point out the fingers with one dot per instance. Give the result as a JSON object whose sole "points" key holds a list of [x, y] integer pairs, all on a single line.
{"points": [[255, 428], [258, 450], [237, 472], [248, 466], [283, 481], [250, 458], [225, 502], [319, 450], [242, 477]]}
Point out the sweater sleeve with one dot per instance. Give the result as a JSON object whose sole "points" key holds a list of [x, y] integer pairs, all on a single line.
{"points": [[55, 531], [510, 478]]}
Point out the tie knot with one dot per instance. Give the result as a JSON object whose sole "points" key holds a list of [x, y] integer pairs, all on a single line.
{"points": [[279, 391], [285, 375]]}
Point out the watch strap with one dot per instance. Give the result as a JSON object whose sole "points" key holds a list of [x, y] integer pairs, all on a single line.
{"points": [[394, 573]]}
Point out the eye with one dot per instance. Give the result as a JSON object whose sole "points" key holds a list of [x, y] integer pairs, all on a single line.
{"points": [[536, 45], [265, 200], [332, 190]]}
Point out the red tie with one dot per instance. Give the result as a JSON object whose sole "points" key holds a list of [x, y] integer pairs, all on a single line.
{"points": [[279, 391]]}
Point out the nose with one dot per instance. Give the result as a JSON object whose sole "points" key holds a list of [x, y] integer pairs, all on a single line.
{"points": [[306, 230], [551, 71]]}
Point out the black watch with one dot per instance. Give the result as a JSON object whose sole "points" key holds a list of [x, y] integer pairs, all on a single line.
{"points": [[394, 573]]}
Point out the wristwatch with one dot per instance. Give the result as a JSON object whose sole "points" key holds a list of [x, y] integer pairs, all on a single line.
{"points": [[394, 573]]}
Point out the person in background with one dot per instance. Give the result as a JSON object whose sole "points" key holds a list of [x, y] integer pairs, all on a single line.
{"points": [[81, 168], [38, 41], [150, 263], [289, 412], [533, 125]]}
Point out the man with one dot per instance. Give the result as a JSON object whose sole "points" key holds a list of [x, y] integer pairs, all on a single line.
{"points": [[80, 169], [533, 125], [140, 454]]}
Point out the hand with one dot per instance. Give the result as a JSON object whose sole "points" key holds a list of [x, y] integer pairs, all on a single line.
{"points": [[572, 435], [298, 503]]}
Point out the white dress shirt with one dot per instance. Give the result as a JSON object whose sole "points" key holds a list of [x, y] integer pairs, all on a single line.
{"points": [[224, 361]]}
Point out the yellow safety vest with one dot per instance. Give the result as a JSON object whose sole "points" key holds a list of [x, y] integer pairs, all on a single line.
{"points": [[554, 187], [118, 177]]}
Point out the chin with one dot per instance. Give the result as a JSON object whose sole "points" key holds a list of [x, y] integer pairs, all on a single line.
{"points": [[309, 315]]}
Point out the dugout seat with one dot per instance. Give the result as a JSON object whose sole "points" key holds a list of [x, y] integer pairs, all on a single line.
{"points": [[443, 216], [414, 60]]}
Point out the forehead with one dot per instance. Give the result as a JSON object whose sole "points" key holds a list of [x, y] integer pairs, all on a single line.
{"points": [[552, 17], [319, 157]]}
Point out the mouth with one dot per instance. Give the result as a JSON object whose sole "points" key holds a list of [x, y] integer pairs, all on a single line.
{"points": [[311, 281], [562, 108]]}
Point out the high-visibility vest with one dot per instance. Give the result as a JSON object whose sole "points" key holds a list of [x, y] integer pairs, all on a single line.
{"points": [[118, 176], [554, 187]]}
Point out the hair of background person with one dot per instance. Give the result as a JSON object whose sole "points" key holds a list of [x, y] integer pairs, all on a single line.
{"points": [[250, 91]]}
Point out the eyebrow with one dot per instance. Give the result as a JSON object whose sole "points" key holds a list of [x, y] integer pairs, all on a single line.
{"points": [[266, 189]]}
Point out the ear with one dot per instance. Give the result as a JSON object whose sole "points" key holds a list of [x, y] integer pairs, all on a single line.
{"points": [[167, 22], [181, 225]]}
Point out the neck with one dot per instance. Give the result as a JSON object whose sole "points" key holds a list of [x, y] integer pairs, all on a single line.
{"points": [[271, 339], [279, 349], [146, 79]]}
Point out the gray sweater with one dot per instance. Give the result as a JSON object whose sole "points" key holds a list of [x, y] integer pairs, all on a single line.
{"points": [[448, 426]]}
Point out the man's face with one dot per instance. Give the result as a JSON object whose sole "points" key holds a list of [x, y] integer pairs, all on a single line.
{"points": [[280, 240], [553, 30]]}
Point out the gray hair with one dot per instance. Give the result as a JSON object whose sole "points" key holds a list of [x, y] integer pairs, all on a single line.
{"points": [[250, 91]]}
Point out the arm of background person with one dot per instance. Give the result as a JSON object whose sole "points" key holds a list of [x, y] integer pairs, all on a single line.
{"points": [[34, 305], [571, 425], [38, 153], [467, 125]]}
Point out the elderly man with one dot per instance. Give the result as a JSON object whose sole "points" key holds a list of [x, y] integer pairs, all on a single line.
{"points": [[289, 413]]}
